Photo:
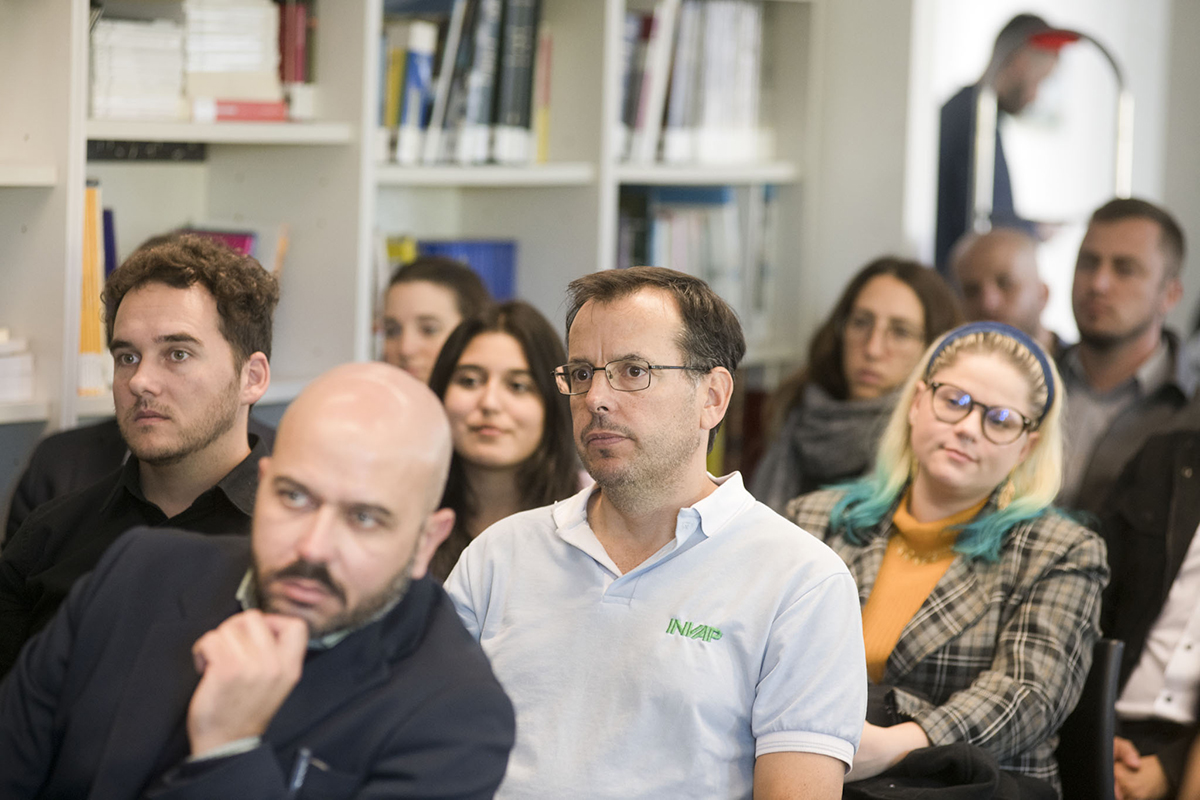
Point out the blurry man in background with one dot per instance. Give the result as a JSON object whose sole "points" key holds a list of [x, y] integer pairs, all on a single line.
{"points": [[997, 273], [1024, 55]]}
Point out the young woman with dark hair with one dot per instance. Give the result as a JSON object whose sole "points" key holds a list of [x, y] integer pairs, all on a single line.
{"points": [[424, 302], [830, 413], [513, 446]]}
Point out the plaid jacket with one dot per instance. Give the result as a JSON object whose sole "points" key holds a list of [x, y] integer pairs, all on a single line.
{"points": [[998, 653]]}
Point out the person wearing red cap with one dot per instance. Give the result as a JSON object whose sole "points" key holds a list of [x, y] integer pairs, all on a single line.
{"points": [[1025, 53]]}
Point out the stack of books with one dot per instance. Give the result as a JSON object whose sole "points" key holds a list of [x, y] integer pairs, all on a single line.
{"points": [[485, 99], [232, 60], [722, 234], [691, 83], [137, 70]]}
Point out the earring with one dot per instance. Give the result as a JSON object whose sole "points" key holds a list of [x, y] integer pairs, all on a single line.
{"points": [[1007, 492]]}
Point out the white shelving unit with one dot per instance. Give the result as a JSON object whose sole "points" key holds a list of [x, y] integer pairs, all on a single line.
{"points": [[15, 174], [321, 179]]}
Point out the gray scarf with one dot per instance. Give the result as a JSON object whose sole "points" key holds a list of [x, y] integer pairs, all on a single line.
{"points": [[823, 441]]}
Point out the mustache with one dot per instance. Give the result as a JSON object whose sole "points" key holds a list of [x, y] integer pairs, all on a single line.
{"points": [[308, 570], [144, 405], [599, 423]]}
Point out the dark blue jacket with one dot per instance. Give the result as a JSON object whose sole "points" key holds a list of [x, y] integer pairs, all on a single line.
{"points": [[956, 156], [96, 706]]}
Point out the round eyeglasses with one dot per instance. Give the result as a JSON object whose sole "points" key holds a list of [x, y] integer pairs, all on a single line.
{"points": [[624, 375], [1000, 425]]}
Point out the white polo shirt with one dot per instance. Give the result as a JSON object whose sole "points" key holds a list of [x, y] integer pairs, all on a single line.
{"points": [[741, 637]]}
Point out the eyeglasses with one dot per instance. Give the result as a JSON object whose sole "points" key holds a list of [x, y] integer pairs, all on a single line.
{"points": [[860, 327], [1000, 425], [624, 375]]}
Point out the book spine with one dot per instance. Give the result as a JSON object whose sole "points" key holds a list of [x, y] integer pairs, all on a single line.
{"points": [[418, 91], [541, 93], [678, 136], [91, 324], [654, 82], [287, 41], [110, 242], [433, 133], [397, 43], [472, 147], [633, 59], [512, 136], [300, 49], [215, 110]]}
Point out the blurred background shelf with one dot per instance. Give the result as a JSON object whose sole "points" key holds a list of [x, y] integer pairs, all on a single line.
{"points": [[781, 172], [562, 174], [20, 173], [264, 133]]}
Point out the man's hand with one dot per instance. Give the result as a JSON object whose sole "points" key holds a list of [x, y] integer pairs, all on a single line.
{"points": [[881, 748], [1137, 777], [248, 666]]}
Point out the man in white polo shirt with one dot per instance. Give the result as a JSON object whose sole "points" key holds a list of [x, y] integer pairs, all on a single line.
{"points": [[662, 634]]}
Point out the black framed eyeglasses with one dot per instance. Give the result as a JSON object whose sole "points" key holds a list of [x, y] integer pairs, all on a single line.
{"points": [[1001, 425], [624, 375]]}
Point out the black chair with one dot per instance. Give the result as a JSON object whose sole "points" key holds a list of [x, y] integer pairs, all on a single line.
{"points": [[1085, 745]]}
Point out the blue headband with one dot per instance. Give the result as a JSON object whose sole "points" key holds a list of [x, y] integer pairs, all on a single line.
{"points": [[1012, 333]]}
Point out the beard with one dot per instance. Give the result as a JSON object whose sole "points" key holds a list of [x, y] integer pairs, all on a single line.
{"points": [[350, 617], [654, 463], [1106, 341], [216, 419]]}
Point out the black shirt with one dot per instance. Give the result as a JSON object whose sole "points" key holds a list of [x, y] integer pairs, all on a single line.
{"points": [[75, 459], [64, 539]]}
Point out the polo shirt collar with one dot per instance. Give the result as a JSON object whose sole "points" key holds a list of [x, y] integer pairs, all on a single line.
{"points": [[238, 486], [1157, 371], [707, 518]]}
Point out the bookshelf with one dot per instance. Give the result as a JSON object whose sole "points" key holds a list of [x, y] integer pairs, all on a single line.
{"points": [[322, 179], [14, 174]]}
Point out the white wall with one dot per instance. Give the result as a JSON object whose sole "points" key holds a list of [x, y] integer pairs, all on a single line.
{"points": [[1181, 162], [859, 194]]}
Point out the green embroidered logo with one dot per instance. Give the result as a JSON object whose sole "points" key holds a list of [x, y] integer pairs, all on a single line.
{"points": [[690, 630]]}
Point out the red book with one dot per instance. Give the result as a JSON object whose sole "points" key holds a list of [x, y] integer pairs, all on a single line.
{"points": [[293, 43], [207, 109], [300, 45]]}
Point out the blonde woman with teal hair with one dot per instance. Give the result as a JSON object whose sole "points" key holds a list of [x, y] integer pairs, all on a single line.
{"points": [[980, 601]]}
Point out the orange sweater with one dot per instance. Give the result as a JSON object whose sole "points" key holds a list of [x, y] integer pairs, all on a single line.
{"points": [[917, 556]]}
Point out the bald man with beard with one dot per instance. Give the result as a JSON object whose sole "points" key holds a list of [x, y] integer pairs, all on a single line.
{"points": [[315, 659], [997, 274]]}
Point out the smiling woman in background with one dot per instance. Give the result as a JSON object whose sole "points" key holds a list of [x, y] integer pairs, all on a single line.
{"points": [[833, 410], [980, 602], [513, 445], [425, 300]]}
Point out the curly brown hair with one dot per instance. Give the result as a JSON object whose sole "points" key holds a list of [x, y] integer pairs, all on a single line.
{"points": [[246, 294]]}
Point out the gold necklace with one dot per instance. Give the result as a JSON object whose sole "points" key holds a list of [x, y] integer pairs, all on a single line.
{"points": [[907, 552]]}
